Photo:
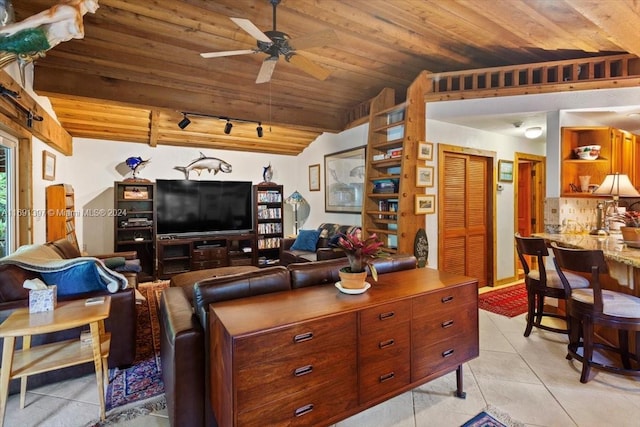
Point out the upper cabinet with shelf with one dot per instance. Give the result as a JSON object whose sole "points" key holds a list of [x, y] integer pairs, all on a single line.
{"points": [[390, 184], [616, 155]]}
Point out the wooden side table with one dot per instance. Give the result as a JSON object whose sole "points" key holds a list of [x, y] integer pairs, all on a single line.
{"points": [[47, 357]]}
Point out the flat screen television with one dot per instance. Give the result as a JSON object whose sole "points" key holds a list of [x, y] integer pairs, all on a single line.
{"points": [[187, 207]]}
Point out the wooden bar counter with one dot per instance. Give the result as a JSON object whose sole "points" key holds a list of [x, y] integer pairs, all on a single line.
{"points": [[624, 261]]}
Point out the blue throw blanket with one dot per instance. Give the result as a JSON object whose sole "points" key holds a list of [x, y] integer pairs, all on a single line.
{"points": [[72, 276]]}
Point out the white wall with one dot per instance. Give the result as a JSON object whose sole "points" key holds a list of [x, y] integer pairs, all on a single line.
{"points": [[96, 164]]}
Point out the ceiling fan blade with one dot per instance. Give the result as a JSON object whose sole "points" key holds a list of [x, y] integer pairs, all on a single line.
{"points": [[266, 70], [250, 28], [309, 67], [322, 38], [227, 53]]}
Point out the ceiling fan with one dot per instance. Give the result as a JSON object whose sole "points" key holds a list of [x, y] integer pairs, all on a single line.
{"points": [[276, 43]]}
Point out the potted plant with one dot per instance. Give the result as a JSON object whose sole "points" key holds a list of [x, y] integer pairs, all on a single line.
{"points": [[631, 229], [360, 254]]}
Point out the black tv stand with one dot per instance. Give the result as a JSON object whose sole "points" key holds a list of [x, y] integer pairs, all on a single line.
{"points": [[178, 254]]}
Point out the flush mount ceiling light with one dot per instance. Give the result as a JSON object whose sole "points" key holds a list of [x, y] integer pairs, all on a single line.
{"points": [[227, 127], [533, 132]]}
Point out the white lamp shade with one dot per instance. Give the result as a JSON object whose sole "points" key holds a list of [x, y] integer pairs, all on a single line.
{"points": [[617, 185]]}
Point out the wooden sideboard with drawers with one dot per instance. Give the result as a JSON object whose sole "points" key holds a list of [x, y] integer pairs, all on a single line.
{"points": [[314, 356]]}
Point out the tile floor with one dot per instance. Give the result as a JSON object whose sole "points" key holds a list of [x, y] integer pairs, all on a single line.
{"points": [[527, 378]]}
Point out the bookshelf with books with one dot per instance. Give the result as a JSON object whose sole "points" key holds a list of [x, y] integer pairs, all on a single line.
{"points": [[61, 213], [269, 227]]}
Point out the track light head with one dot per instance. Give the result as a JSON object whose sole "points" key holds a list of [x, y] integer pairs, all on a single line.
{"points": [[184, 122], [259, 130], [227, 127]]}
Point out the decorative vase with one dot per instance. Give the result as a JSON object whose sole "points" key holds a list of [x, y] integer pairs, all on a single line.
{"points": [[350, 280]]}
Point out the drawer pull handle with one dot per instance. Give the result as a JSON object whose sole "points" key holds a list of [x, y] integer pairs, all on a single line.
{"points": [[385, 316], [447, 353], [303, 370], [447, 299], [387, 377], [447, 324], [303, 337], [387, 343], [304, 410]]}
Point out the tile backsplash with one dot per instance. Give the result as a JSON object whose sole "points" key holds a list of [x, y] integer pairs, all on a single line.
{"points": [[573, 214]]}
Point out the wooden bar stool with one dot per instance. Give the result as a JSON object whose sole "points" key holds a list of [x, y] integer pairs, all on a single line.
{"points": [[542, 283], [597, 307]]}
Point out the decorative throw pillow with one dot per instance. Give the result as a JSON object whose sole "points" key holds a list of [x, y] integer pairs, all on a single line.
{"points": [[79, 279], [306, 241]]}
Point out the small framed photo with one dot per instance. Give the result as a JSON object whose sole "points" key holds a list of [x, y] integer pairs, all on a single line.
{"points": [[424, 176], [48, 165], [425, 150], [314, 177], [425, 204], [505, 170]]}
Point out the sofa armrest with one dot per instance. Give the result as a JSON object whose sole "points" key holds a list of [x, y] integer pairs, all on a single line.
{"points": [[286, 243], [329, 253], [124, 254], [182, 359]]}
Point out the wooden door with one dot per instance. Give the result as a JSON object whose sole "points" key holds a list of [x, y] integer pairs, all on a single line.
{"points": [[465, 225], [524, 198]]}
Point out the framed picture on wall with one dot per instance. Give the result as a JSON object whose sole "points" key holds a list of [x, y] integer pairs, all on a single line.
{"points": [[344, 180], [424, 176], [505, 170], [425, 150], [425, 204], [314, 177], [48, 165]]}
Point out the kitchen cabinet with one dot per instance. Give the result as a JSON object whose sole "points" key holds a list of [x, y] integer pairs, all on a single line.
{"points": [[617, 154]]}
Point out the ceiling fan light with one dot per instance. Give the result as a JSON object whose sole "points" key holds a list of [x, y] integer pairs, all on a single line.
{"points": [[184, 122], [227, 127], [533, 132], [259, 130]]}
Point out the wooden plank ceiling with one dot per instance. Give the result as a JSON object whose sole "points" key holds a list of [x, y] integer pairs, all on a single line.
{"points": [[138, 65]]}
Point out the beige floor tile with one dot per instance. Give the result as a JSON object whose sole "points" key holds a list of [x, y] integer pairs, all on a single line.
{"points": [[396, 412], [532, 404], [500, 365]]}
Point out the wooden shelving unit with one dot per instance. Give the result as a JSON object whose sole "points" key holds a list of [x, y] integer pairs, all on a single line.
{"points": [[268, 222], [135, 223], [394, 133], [61, 213]]}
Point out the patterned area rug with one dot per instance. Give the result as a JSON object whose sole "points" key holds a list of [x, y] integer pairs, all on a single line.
{"points": [[510, 301], [139, 390]]}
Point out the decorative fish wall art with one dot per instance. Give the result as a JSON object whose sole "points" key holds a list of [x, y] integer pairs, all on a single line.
{"points": [[205, 163]]}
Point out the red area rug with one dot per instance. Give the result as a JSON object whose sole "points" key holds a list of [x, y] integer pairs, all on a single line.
{"points": [[139, 389], [510, 301]]}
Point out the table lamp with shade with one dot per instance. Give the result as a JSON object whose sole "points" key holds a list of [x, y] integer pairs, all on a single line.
{"points": [[615, 185], [295, 200]]}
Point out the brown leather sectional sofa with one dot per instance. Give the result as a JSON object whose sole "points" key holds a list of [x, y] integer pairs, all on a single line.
{"points": [[121, 322], [184, 325]]}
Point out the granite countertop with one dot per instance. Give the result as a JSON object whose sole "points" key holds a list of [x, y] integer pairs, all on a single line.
{"points": [[612, 246]]}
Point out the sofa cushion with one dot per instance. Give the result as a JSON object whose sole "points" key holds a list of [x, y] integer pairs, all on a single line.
{"points": [[306, 240]]}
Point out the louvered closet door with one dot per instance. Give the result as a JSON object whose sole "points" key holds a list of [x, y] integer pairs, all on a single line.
{"points": [[465, 236]]}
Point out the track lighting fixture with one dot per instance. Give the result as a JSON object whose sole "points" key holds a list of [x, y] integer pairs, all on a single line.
{"points": [[227, 127], [184, 122]]}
